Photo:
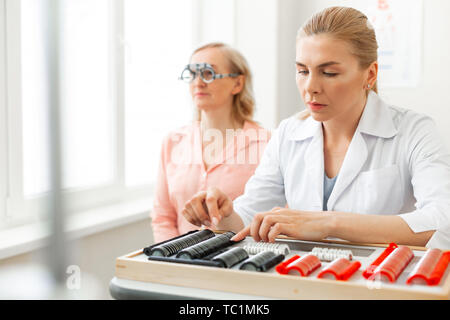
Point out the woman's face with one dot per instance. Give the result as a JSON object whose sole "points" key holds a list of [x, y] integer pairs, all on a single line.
{"points": [[329, 78], [220, 92]]}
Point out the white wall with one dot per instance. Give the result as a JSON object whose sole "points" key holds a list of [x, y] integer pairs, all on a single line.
{"points": [[256, 37], [432, 95], [291, 16]]}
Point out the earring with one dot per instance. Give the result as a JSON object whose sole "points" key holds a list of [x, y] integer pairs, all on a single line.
{"points": [[368, 86]]}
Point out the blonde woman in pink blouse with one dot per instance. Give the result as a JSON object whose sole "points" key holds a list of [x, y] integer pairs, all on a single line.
{"points": [[222, 148]]}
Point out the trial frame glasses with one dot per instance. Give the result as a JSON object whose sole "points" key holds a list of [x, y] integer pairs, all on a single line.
{"points": [[206, 71]]}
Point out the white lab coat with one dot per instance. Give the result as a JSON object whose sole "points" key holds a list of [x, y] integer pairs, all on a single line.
{"points": [[396, 163]]}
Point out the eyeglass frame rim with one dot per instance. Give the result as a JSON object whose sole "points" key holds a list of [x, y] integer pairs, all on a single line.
{"points": [[206, 65]]}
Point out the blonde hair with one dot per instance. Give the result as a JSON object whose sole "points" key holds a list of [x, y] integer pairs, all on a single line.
{"points": [[349, 25], [244, 101]]}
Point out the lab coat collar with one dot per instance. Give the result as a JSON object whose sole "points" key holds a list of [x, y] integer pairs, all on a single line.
{"points": [[308, 129], [376, 120]]}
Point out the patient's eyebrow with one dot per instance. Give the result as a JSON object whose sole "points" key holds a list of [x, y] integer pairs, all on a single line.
{"points": [[325, 64]]}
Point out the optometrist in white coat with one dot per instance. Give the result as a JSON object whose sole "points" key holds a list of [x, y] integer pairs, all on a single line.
{"points": [[350, 166]]}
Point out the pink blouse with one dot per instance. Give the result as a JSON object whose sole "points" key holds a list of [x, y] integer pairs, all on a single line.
{"points": [[182, 173]]}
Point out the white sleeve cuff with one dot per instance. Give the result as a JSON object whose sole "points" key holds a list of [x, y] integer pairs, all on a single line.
{"points": [[428, 218], [422, 220], [418, 221], [245, 215]]}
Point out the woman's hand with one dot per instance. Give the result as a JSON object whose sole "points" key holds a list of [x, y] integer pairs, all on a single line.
{"points": [[208, 207], [306, 225]]}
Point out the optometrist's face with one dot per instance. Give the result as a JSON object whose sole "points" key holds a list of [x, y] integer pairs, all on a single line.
{"points": [[220, 92], [329, 78]]}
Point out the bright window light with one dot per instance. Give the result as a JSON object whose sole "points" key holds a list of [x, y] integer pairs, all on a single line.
{"points": [[88, 113], [87, 110], [34, 103], [158, 43]]}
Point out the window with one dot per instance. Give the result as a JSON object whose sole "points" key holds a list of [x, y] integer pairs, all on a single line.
{"points": [[157, 47], [120, 64], [87, 106]]}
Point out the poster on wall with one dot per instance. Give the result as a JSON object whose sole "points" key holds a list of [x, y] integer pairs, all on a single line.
{"points": [[398, 26]]}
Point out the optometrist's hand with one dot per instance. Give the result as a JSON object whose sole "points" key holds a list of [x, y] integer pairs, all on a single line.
{"points": [[208, 207], [306, 225]]}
